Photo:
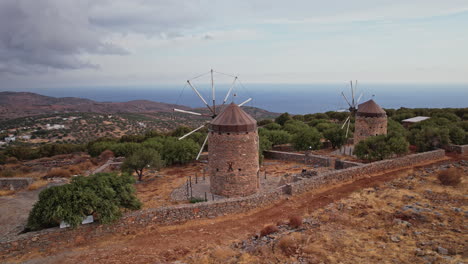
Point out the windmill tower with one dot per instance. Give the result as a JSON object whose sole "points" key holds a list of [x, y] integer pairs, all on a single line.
{"points": [[233, 141], [371, 120], [233, 153]]}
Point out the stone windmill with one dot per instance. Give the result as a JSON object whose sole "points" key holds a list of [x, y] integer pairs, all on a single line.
{"points": [[233, 145], [371, 120], [233, 153]]}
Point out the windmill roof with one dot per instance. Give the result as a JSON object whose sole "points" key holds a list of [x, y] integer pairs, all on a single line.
{"points": [[370, 107], [233, 119]]}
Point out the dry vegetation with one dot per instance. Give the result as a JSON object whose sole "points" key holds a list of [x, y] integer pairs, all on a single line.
{"points": [[6, 192], [37, 184], [416, 219], [451, 176]]}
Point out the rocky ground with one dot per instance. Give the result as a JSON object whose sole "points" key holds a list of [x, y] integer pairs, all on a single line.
{"points": [[398, 216], [414, 219]]}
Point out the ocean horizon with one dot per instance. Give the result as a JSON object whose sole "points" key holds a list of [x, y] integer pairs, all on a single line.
{"points": [[292, 98]]}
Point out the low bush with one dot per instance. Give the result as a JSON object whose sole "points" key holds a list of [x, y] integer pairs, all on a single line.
{"points": [[37, 184], [196, 200], [269, 229], [57, 173], [102, 195], [450, 177], [288, 245], [106, 155], [224, 255], [7, 173], [295, 221]]}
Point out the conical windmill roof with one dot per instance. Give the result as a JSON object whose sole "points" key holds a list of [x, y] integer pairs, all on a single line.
{"points": [[370, 108], [233, 119]]}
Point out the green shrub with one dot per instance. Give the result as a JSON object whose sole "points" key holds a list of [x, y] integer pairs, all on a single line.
{"points": [[102, 195], [381, 147], [283, 118], [336, 136], [307, 139], [141, 159], [196, 200], [179, 151], [273, 126], [277, 137]]}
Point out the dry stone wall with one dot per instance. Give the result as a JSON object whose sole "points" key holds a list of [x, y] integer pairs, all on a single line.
{"points": [[15, 183], [359, 172], [460, 149], [175, 214], [322, 161], [319, 160], [344, 164]]}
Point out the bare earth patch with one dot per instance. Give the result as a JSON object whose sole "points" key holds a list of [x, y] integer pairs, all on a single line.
{"points": [[361, 222]]}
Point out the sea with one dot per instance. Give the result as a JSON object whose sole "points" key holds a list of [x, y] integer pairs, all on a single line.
{"points": [[280, 98]]}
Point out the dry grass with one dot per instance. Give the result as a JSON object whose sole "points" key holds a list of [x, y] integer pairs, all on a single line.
{"points": [[288, 245], [58, 173], [106, 155], [269, 229], [6, 192], [295, 221], [223, 255], [8, 172], [37, 184], [450, 177], [373, 226]]}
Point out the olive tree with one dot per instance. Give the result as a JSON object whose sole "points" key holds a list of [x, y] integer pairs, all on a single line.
{"points": [[141, 159]]}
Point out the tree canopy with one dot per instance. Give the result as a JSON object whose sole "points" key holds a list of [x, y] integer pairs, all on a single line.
{"points": [[141, 159], [102, 195]]}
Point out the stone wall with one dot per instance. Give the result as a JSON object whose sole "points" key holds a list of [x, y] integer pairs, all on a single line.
{"points": [[233, 163], [15, 183], [56, 237], [369, 126], [319, 160], [460, 149], [359, 172], [344, 164], [175, 214]]}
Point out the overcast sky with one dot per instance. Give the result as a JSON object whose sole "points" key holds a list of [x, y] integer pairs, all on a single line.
{"points": [[71, 43]]}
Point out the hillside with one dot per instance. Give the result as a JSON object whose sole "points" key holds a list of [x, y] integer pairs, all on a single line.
{"points": [[23, 104]]}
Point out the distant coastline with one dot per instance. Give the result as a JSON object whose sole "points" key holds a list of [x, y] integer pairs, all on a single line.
{"points": [[292, 98]]}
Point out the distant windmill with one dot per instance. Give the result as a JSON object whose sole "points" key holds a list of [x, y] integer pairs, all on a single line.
{"points": [[214, 110], [353, 105]]}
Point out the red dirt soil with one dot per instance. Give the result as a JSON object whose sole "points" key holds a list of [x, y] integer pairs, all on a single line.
{"points": [[156, 244]]}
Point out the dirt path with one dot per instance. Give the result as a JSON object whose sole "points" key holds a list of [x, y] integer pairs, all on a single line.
{"points": [[14, 210], [155, 244]]}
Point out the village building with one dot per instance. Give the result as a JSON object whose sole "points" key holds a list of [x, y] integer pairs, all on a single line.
{"points": [[408, 122]]}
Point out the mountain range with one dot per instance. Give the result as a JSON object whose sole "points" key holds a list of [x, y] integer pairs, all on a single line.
{"points": [[21, 104]]}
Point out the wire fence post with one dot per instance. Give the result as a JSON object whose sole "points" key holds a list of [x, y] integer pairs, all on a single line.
{"points": [[190, 183]]}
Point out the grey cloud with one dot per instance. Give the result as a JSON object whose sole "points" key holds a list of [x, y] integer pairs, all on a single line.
{"points": [[166, 17], [36, 36], [41, 35]]}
